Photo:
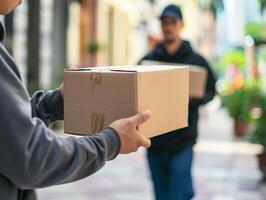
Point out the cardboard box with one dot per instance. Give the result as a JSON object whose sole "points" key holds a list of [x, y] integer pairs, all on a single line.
{"points": [[197, 78], [197, 82], [95, 97]]}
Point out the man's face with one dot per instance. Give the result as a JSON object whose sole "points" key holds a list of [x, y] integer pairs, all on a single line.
{"points": [[171, 28], [7, 5]]}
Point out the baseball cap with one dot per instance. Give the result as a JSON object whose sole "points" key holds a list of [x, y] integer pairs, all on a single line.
{"points": [[172, 11]]}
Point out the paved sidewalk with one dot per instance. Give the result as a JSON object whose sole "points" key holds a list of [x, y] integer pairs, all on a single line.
{"points": [[224, 169]]}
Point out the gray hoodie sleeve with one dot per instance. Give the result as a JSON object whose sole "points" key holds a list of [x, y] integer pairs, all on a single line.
{"points": [[31, 156]]}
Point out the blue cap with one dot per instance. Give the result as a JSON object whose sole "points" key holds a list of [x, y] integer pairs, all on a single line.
{"points": [[172, 11]]}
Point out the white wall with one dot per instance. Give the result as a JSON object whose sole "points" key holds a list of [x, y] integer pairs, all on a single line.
{"points": [[20, 39], [46, 50]]}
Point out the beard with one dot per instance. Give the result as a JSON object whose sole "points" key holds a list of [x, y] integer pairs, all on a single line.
{"points": [[169, 40]]}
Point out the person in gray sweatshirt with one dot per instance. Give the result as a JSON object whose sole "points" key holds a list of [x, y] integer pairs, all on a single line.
{"points": [[31, 155]]}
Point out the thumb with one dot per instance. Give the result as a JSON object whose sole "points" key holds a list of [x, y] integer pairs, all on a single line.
{"points": [[140, 118]]}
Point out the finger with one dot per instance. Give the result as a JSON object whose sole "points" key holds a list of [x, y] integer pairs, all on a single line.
{"points": [[72, 67], [62, 85], [140, 118], [144, 142], [61, 88]]}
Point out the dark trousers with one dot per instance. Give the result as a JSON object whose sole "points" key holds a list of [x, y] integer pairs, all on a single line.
{"points": [[171, 174]]}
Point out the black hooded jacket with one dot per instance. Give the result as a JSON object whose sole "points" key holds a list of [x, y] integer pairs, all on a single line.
{"points": [[177, 140], [2, 32]]}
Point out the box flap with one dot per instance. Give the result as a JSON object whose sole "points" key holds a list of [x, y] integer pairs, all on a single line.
{"points": [[99, 88], [141, 68], [152, 63], [133, 68]]}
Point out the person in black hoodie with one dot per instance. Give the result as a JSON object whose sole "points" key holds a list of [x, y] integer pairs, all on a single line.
{"points": [[170, 156]]}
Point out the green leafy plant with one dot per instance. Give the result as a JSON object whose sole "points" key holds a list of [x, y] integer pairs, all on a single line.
{"points": [[237, 104], [256, 30], [262, 5], [258, 135], [231, 57], [262, 54], [240, 102], [93, 47]]}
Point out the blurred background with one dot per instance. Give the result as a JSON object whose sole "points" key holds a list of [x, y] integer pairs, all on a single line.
{"points": [[47, 36]]}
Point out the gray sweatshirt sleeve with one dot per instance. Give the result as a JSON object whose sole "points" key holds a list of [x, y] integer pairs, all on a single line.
{"points": [[31, 156]]}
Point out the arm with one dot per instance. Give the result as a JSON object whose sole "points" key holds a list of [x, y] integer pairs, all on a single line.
{"points": [[31, 156]]}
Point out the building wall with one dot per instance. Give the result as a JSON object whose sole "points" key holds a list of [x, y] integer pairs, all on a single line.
{"points": [[119, 27], [191, 19], [46, 44], [73, 35], [118, 34], [117, 24], [20, 39]]}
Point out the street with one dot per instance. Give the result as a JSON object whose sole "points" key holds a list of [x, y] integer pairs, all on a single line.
{"points": [[225, 168]]}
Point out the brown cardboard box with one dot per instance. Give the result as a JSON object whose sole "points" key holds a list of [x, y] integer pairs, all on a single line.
{"points": [[197, 82], [197, 78], [95, 97]]}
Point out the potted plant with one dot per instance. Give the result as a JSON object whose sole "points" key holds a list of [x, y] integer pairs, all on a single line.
{"points": [[93, 47], [234, 90], [244, 104], [231, 62], [258, 135], [237, 103], [257, 30]]}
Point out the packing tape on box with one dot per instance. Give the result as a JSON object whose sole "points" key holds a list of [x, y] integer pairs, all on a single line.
{"points": [[97, 122], [95, 80]]}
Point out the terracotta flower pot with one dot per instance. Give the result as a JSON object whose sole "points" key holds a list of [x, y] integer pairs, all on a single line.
{"points": [[240, 127]]}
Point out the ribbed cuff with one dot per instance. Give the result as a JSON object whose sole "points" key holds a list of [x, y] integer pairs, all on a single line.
{"points": [[54, 103]]}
